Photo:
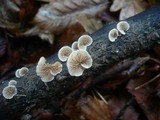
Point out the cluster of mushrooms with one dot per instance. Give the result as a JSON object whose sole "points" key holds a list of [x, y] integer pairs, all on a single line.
{"points": [[10, 91], [122, 27], [76, 56]]}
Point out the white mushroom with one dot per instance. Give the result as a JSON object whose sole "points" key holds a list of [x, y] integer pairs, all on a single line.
{"points": [[17, 73], [12, 82], [78, 61], [74, 46], [9, 92], [21, 72], [47, 71], [122, 27], [64, 53], [84, 41], [113, 34]]}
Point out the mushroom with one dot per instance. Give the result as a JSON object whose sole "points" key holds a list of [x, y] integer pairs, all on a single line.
{"points": [[21, 72], [122, 27], [78, 61], [84, 41], [74, 46], [12, 82], [64, 53], [17, 73], [46, 71], [113, 34], [9, 92]]}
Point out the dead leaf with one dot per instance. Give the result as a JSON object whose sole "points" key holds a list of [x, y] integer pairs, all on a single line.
{"points": [[54, 17], [94, 109], [143, 97], [88, 108], [130, 114], [128, 7]]}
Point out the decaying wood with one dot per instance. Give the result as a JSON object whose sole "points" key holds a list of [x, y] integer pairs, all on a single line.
{"points": [[143, 34]]}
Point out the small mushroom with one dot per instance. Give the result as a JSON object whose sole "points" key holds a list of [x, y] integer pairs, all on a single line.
{"points": [[64, 53], [123, 26], [17, 73], [21, 72], [84, 41], [74, 46], [78, 61], [12, 82], [46, 71], [9, 92], [113, 34]]}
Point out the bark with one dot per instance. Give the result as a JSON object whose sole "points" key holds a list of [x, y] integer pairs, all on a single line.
{"points": [[143, 34]]}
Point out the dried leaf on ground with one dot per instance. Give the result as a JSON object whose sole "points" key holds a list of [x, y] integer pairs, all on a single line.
{"points": [[91, 109], [143, 97], [54, 17], [128, 7]]}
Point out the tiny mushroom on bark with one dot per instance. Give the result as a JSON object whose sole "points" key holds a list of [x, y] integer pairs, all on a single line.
{"points": [[113, 34], [9, 92], [46, 71], [78, 61], [17, 73], [74, 46], [123, 26], [21, 72], [12, 82], [64, 53], [84, 41]]}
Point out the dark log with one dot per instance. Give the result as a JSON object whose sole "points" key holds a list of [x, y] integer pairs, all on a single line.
{"points": [[143, 34]]}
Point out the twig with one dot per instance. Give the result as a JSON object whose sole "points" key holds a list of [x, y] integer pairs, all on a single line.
{"points": [[146, 83]]}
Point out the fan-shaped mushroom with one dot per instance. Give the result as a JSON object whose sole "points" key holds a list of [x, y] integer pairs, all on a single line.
{"points": [[113, 34], [84, 41], [46, 71], [123, 26], [9, 92], [64, 53], [78, 61]]}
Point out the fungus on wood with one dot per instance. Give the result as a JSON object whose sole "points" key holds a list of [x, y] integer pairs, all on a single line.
{"points": [[122, 27], [143, 34], [78, 61]]}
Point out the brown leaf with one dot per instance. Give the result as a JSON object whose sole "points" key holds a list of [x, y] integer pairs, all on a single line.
{"points": [[143, 97], [130, 114], [94, 109], [54, 17], [128, 7]]}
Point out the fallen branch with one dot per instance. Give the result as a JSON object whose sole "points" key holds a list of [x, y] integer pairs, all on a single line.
{"points": [[143, 34]]}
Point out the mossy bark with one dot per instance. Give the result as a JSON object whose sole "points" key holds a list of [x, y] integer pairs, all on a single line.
{"points": [[143, 34]]}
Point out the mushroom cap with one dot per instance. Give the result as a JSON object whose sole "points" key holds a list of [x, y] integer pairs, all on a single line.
{"points": [[84, 41], [47, 71], [17, 73], [9, 92], [64, 53], [74, 46], [123, 26], [12, 82], [23, 71], [56, 68], [113, 34], [78, 61]]}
